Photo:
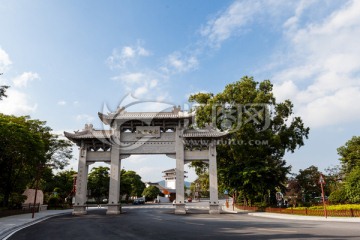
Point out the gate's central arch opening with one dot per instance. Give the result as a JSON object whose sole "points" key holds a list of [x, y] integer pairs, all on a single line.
{"points": [[145, 133]]}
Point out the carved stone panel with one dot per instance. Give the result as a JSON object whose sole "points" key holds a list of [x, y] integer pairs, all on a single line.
{"points": [[196, 155], [99, 156], [149, 148], [132, 137], [148, 131]]}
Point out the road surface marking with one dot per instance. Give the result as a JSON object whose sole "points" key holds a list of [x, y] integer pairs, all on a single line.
{"points": [[200, 224], [276, 230]]}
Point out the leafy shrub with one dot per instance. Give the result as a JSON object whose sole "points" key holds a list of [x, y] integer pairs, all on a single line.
{"points": [[352, 186], [54, 201], [335, 207], [16, 200], [338, 196]]}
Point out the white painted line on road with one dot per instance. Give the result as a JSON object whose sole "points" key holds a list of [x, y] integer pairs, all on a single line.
{"points": [[200, 224], [30, 224], [208, 218], [275, 230]]}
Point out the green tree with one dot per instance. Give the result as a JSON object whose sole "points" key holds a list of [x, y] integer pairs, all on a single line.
{"points": [[21, 150], [334, 177], [350, 154], [151, 192], [339, 196], [131, 184], [64, 182], [308, 180], [26, 147], [125, 185], [98, 183], [250, 112], [347, 180], [3, 91], [352, 185], [293, 191], [201, 184]]}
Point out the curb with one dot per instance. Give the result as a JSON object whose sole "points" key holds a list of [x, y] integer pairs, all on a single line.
{"points": [[305, 218], [224, 209], [8, 232]]}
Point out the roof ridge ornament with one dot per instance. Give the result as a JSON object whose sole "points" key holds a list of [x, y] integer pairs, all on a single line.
{"points": [[89, 127], [176, 110], [120, 110], [210, 127]]}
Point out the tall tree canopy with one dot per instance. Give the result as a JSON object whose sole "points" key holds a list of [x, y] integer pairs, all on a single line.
{"points": [[98, 183], [350, 154], [308, 179], [26, 147], [348, 190], [262, 130], [131, 184], [151, 192]]}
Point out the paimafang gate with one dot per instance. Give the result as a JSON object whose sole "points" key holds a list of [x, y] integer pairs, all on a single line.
{"points": [[144, 133]]}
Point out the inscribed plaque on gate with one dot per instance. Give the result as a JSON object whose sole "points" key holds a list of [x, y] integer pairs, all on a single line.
{"points": [[148, 131]]}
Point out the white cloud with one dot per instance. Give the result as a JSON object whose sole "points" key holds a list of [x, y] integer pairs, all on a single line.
{"points": [[340, 107], [17, 103], [293, 21], [84, 117], [25, 78], [176, 62], [153, 83], [140, 91], [127, 54], [130, 78], [230, 21], [5, 61], [140, 83], [61, 103], [323, 78], [285, 90], [142, 51], [137, 159]]}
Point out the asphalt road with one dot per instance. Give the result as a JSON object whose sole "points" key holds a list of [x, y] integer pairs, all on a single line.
{"points": [[160, 222]]}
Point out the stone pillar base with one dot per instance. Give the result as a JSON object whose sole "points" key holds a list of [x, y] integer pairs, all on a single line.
{"points": [[79, 210], [113, 209], [214, 209], [180, 208]]}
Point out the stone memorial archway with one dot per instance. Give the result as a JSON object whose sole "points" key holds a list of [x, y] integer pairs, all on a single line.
{"points": [[144, 133]]}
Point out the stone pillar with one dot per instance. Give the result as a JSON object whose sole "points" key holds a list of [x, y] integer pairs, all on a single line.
{"points": [[81, 183], [180, 197], [114, 188], [214, 199]]}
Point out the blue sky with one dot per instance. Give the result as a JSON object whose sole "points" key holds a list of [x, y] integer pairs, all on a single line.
{"points": [[67, 60]]}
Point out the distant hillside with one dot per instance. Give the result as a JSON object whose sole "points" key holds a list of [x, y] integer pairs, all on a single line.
{"points": [[162, 183]]}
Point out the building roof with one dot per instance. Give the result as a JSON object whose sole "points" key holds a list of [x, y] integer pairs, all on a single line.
{"points": [[122, 115], [204, 133], [90, 133], [171, 170]]}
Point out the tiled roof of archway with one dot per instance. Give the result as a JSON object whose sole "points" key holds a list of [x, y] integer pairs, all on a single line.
{"points": [[204, 133], [102, 134], [144, 116], [88, 134]]}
